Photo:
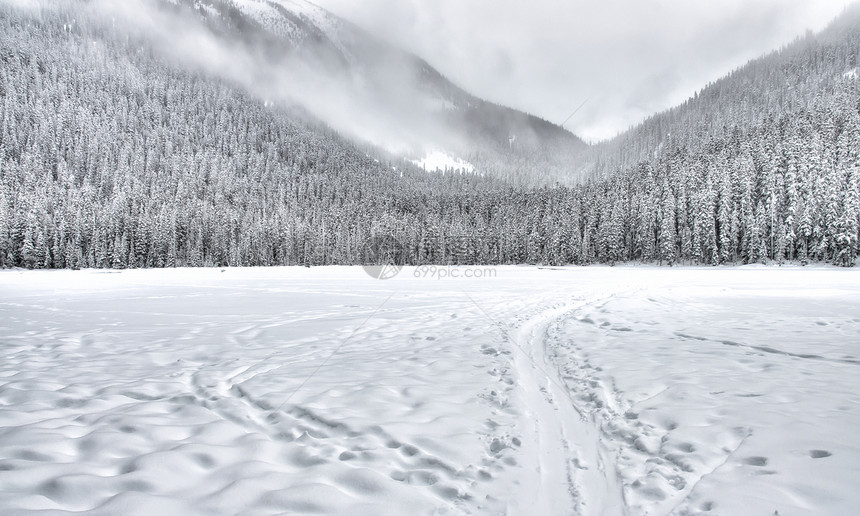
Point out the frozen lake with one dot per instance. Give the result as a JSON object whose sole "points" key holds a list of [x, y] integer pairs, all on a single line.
{"points": [[626, 390]]}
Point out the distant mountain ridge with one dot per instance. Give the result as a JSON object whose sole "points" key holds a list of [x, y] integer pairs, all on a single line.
{"points": [[791, 79], [414, 101]]}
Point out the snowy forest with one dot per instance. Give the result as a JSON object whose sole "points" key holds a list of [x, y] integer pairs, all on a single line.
{"points": [[113, 157]]}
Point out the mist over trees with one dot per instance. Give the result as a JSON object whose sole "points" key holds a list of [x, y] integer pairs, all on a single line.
{"points": [[111, 156], [794, 78]]}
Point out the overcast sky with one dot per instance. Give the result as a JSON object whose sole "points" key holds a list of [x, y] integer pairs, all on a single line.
{"points": [[632, 58]]}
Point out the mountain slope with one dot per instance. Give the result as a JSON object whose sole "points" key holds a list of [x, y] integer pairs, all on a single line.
{"points": [[809, 70], [296, 52]]}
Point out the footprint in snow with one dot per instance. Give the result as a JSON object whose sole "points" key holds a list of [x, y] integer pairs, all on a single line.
{"points": [[755, 461]]}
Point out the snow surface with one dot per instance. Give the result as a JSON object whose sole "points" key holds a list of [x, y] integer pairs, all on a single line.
{"points": [[438, 161], [626, 390]]}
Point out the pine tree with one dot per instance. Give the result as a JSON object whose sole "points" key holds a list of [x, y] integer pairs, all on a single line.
{"points": [[668, 247], [29, 257]]}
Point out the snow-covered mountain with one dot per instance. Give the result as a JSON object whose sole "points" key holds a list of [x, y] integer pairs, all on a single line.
{"points": [[366, 87], [183, 138]]}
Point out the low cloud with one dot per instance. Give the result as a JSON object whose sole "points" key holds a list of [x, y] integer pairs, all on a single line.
{"points": [[632, 58], [314, 78]]}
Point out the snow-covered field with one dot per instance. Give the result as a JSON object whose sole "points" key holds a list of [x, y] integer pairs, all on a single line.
{"points": [[626, 390]]}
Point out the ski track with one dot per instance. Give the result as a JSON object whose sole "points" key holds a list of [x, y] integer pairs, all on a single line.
{"points": [[614, 460], [572, 474]]}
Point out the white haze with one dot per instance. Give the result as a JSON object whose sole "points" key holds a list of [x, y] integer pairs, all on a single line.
{"points": [[545, 59], [339, 98], [631, 58]]}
